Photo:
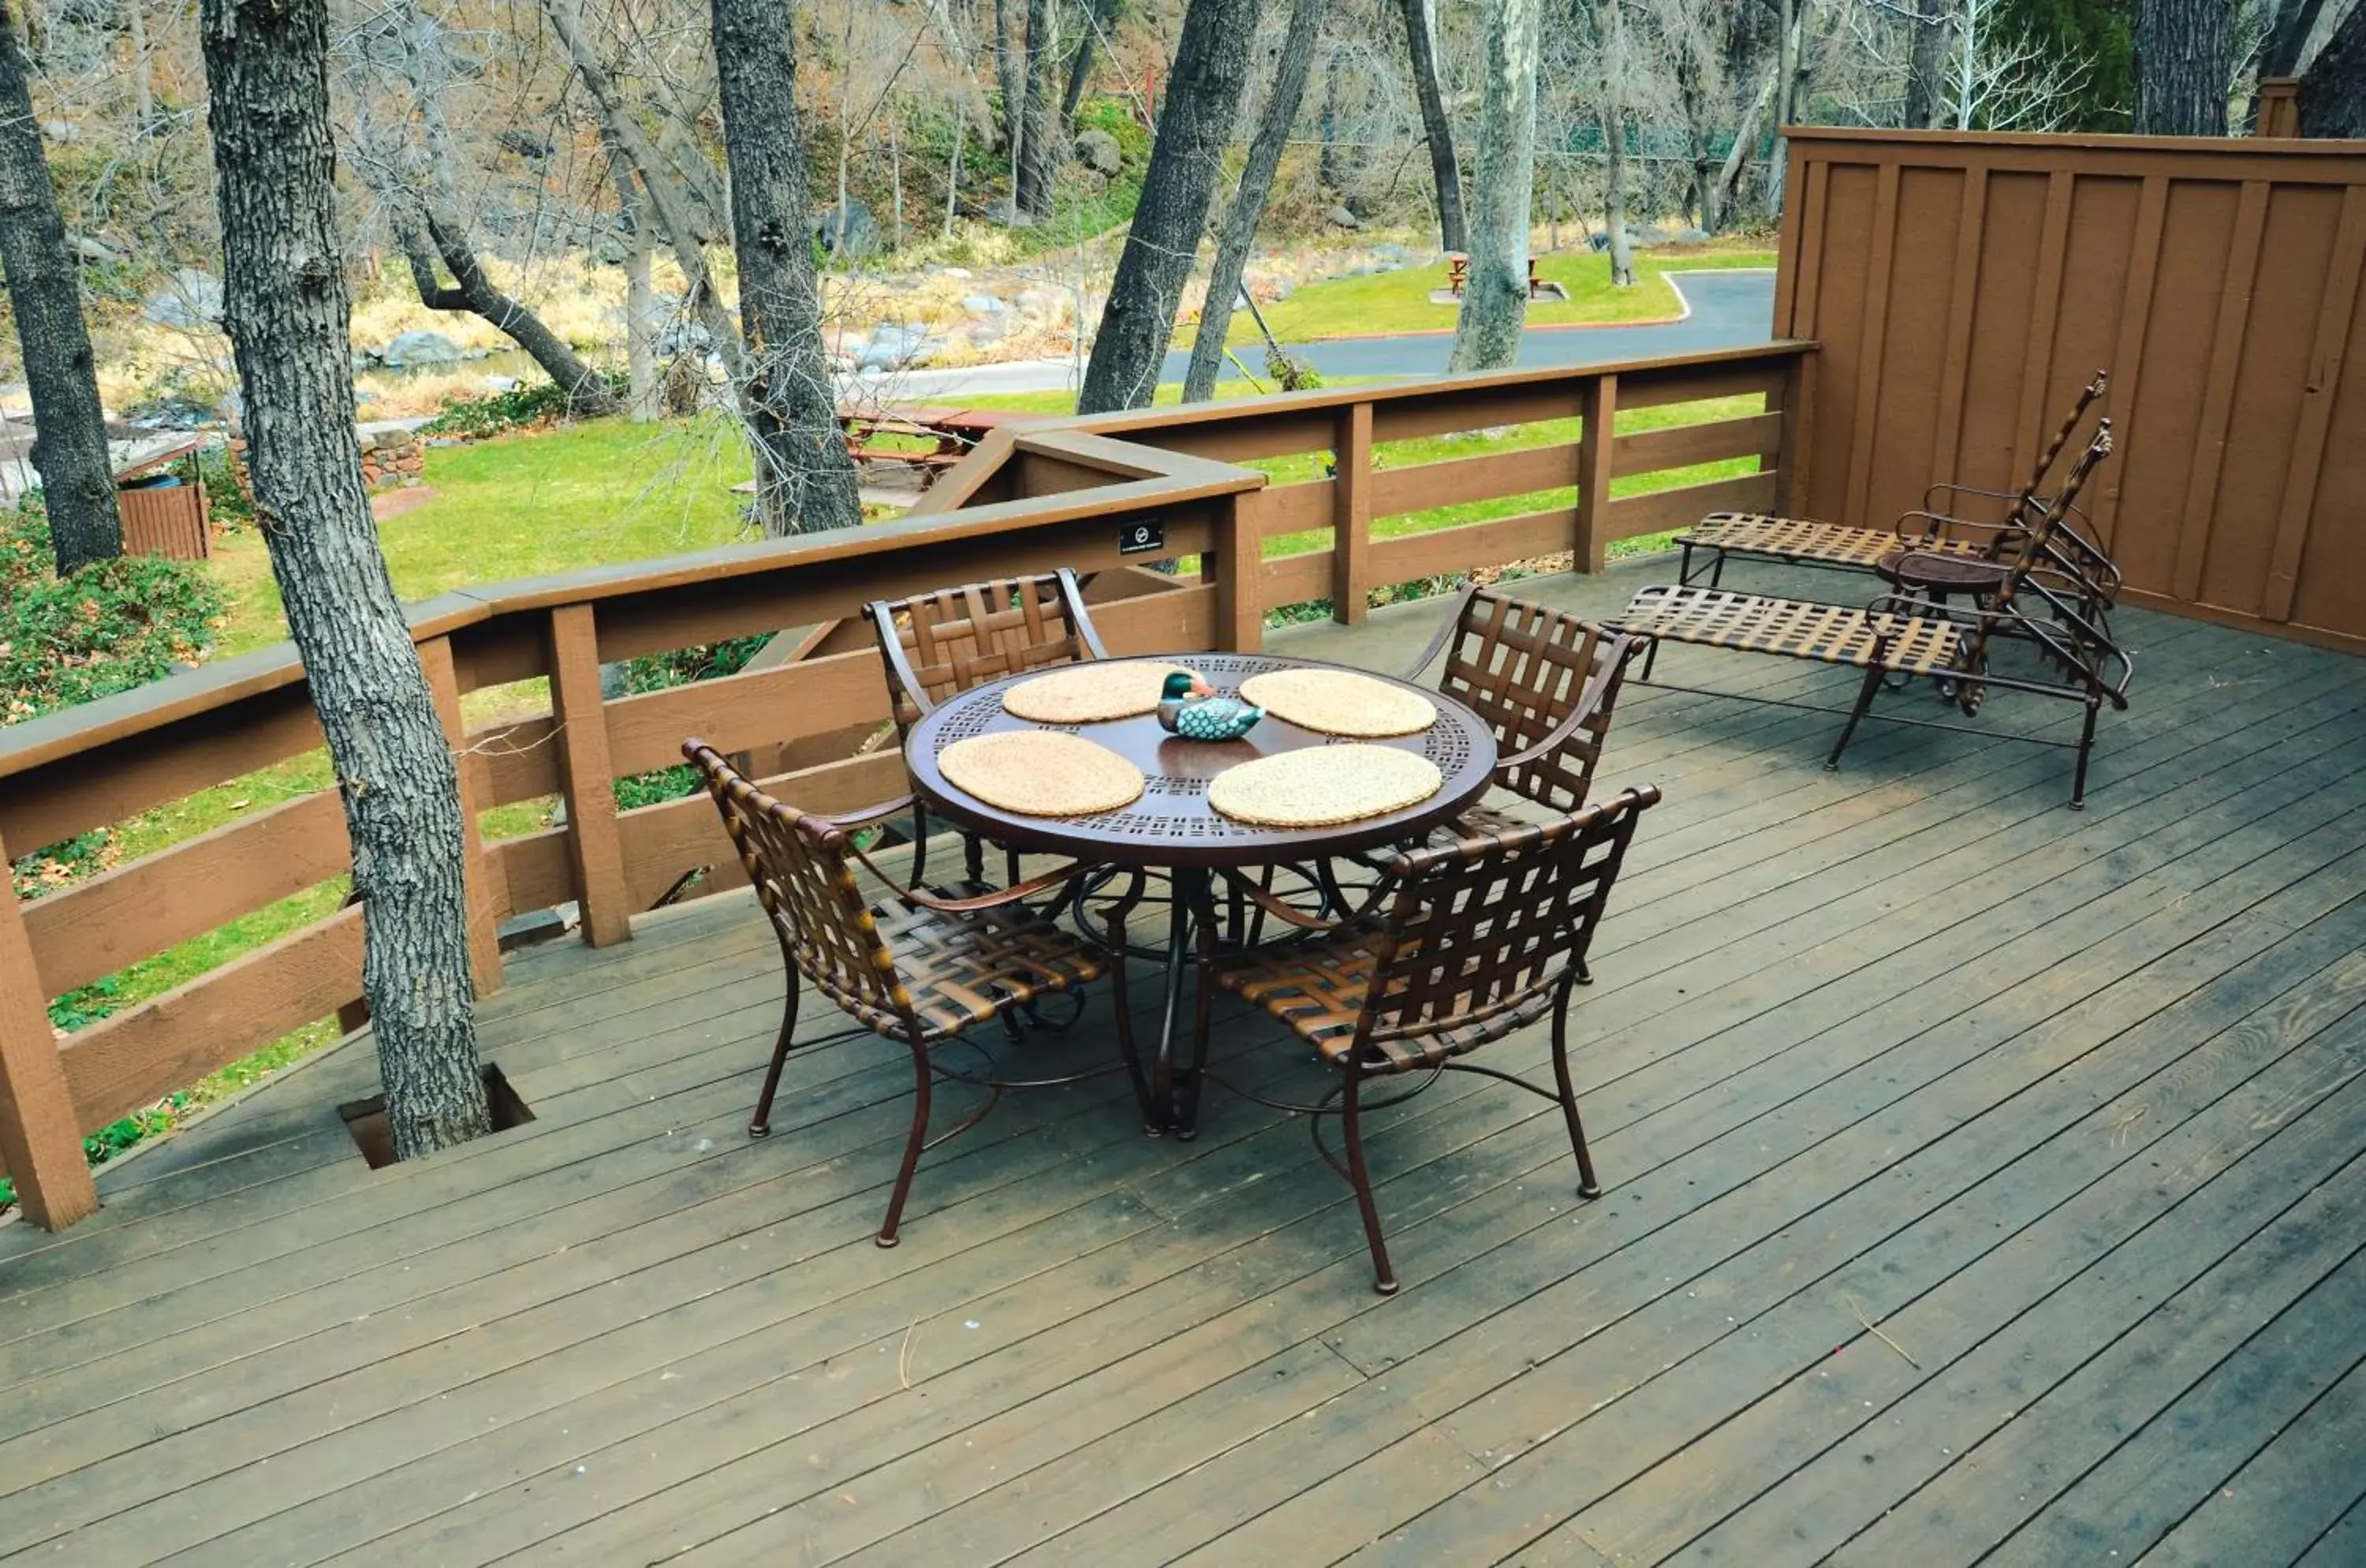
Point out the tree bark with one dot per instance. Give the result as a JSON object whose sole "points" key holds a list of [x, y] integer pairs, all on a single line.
{"points": [[1614, 145], [1041, 159], [1926, 67], [1098, 15], [1010, 76], [285, 307], [588, 396], [1453, 231], [640, 299], [1737, 157], [1195, 124], [1793, 22], [2333, 92], [1247, 207], [2183, 59], [806, 482], [1700, 198], [1495, 297], [2287, 36], [45, 294]]}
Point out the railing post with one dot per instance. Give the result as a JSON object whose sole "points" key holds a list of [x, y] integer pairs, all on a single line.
{"points": [[1798, 406], [1351, 516], [585, 774], [1239, 549], [1598, 407], [485, 895], [40, 1138]]}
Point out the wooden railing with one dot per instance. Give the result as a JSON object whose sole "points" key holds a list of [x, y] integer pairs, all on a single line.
{"points": [[1067, 492]]}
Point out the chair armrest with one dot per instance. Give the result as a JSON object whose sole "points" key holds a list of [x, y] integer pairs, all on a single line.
{"points": [[863, 815], [1444, 633], [1614, 657], [1941, 524]]}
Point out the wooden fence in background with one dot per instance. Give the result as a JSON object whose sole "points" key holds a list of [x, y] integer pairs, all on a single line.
{"points": [[1962, 286], [1067, 493]]}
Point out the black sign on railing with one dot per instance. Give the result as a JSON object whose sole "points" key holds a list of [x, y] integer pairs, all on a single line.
{"points": [[1141, 539]]}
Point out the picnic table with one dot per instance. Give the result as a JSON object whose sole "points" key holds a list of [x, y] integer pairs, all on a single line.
{"points": [[891, 436]]}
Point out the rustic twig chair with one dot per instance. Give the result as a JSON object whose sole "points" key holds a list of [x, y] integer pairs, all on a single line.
{"points": [[1481, 938], [939, 643], [1934, 528], [916, 968], [2040, 598]]}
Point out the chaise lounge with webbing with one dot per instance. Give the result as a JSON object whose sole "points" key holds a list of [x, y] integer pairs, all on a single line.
{"points": [[2041, 598], [1934, 529]]}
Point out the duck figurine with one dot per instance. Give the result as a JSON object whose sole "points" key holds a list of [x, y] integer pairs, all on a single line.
{"points": [[1188, 708]]}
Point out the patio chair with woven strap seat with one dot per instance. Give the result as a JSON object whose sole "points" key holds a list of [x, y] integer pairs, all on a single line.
{"points": [[1934, 529], [2039, 600], [1481, 938], [939, 643], [917, 967]]}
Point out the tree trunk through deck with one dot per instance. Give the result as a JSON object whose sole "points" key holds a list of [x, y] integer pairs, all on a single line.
{"points": [[587, 392], [1453, 232], [284, 306], [44, 293], [1248, 202], [1495, 297], [806, 482], [1195, 125], [2183, 59]]}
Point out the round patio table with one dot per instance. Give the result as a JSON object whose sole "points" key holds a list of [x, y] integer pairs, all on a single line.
{"points": [[1171, 827]]}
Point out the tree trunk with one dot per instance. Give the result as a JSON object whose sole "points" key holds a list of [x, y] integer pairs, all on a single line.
{"points": [[1926, 67], [1614, 145], [144, 75], [2184, 60], [1248, 202], [1453, 232], [2287, 35], [588, 396], [806, 482], [1098, 15], [45, 295], [1327, 169], [2332, 93], [1728, 186], [952, 173], [1041, 160], [284, 306], [1010, 76], [1495, 297], [1793, 21], [1195, 124], [640, 299], [1700, 201]]}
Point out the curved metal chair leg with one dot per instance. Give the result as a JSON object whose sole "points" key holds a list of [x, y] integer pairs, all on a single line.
{"points": [[760, 1124], [1384, 1278], [1587, 1185], [913, 1144]]}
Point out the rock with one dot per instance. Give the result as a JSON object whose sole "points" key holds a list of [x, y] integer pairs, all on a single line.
{"points": [[900, 347], [983, 305], [420, 348], [172, 411], [1392, 252], [1340, 218], [60, 131], [1009, 217], [1099, 151], [960, 273], [501, 383], [1692, 237], [858, 235], [189, 299], [684, 337]]}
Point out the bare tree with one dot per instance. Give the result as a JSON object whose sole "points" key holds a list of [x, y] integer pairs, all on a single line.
{"points": [[1792, 25], [45, 295], [1989, 76], [1421, 41], [1616, 71], [1296, 58], [1932, 29], [1495, 297], [805, 481], [287, 311], [1195, 125], [2184, 56]]}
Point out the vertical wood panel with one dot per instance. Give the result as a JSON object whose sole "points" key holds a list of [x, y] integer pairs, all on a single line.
{"points": [[40, 1138], [1812, 239], [2053, 251], [2127, 359], [1351, 516], [2325, 352], [586, 772], [1956, 366], [486, 900], [2219, 391], [1872, 339]]}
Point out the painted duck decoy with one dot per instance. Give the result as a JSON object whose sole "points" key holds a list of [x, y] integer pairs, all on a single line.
{"points": [[1187, 707]]}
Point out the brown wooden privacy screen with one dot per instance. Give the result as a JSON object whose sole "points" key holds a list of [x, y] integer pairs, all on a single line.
{"points": [[1962, 286], [1064, 493]]}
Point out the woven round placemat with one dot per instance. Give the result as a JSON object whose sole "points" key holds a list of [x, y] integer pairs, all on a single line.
{"points": [[1339, 702], [1090, 693], [1038, 773], [1322, 786]]}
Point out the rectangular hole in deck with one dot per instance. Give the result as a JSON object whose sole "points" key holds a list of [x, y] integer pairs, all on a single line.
{"points": [[365, 1118]]}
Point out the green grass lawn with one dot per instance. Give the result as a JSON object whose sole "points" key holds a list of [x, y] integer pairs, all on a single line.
{"points": [[1384, 303]]}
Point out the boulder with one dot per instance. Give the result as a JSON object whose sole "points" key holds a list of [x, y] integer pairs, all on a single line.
{"points": [[861, 233], [420, 348], [1340, 218], [983, 305], [1692, 237], [1099, 151], [682, 337], [189, 299]]}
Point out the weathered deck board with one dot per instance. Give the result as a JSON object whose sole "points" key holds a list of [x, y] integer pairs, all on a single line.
{"points": [[2069, 1104]]}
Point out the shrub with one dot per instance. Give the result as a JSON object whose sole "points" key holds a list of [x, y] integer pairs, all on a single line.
{"points": [[111, 626], [679, 667], [522, 407]]}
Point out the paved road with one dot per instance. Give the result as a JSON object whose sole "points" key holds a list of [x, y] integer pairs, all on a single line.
{"points": [[1728, 309]]}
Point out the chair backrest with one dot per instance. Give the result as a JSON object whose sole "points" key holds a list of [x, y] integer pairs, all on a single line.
{"points": [[2033, 498], [2042, 547], [939, 643], [806, 883], [1478, 929], [1525, 668], [2050, 564]]}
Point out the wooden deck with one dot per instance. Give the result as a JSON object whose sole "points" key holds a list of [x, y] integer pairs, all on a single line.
{"points": [[1984, 1186]]}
